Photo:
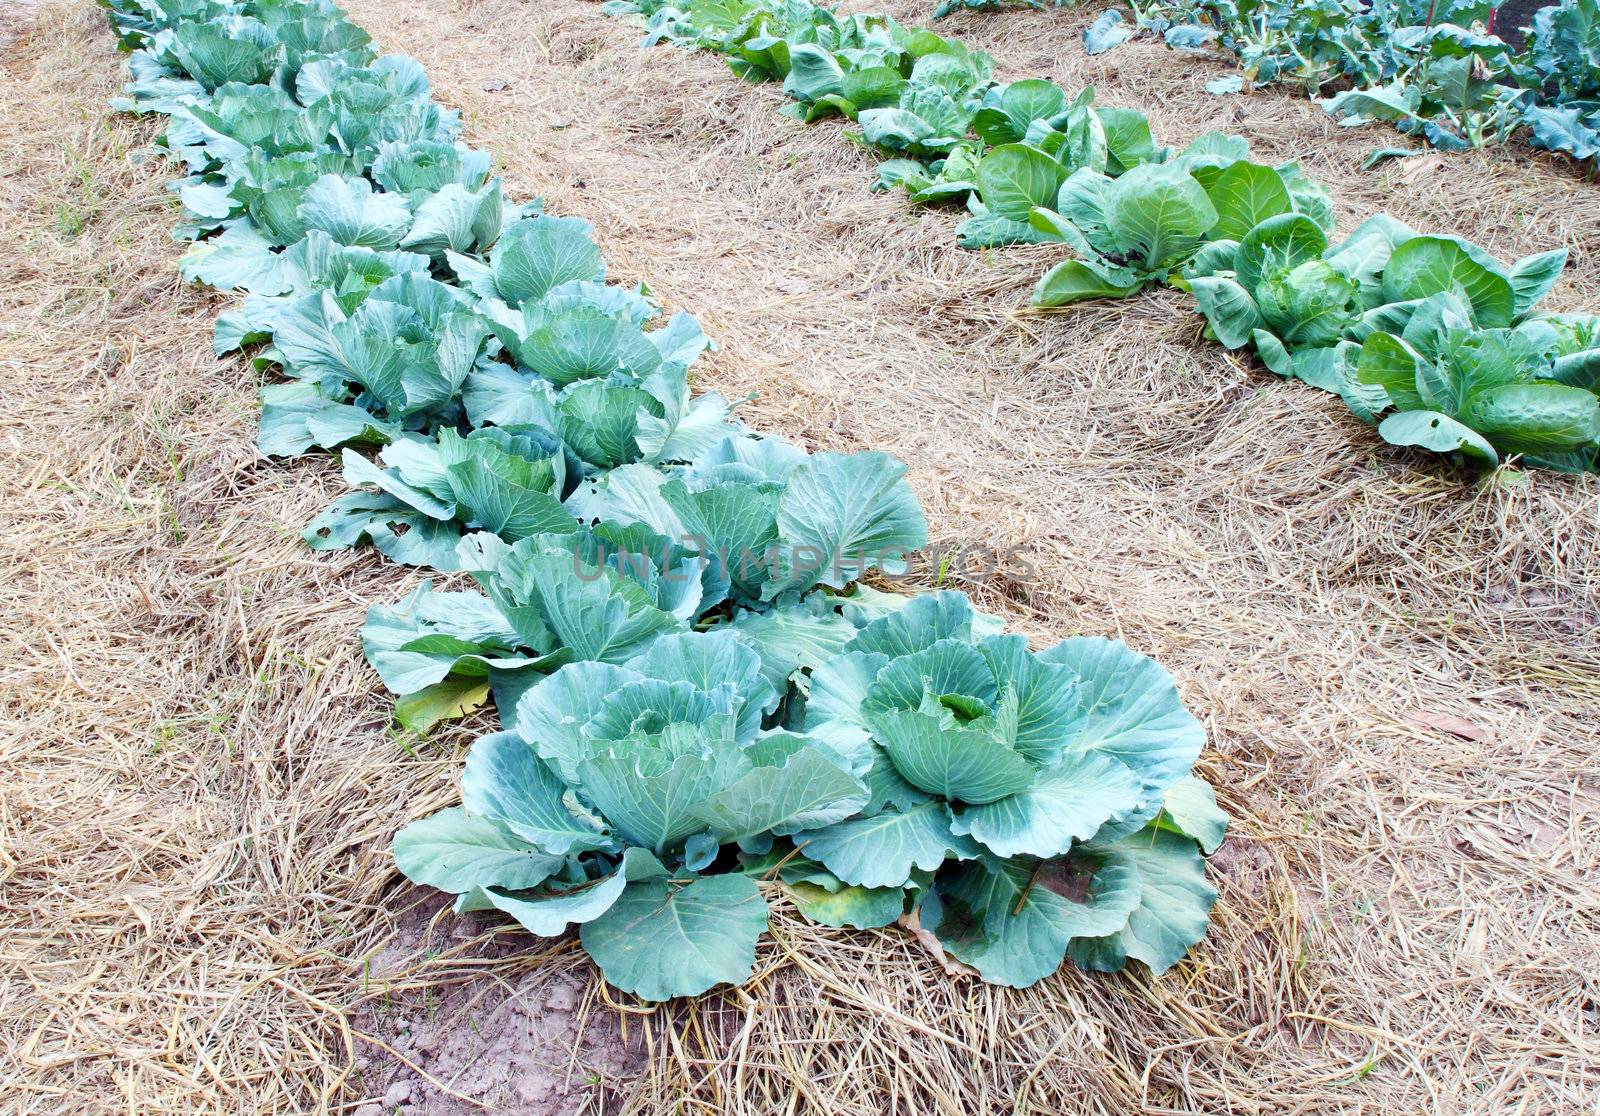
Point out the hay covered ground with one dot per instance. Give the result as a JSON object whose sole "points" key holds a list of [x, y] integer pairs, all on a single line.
{"points": [[1398, 667]]}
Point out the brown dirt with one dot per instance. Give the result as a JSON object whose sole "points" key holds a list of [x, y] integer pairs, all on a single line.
{"points": [[198, 788], [526, 1041]]}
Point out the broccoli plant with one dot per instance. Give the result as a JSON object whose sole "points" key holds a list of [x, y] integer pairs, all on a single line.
{"points": [[1454, 87], [1563, 50]]}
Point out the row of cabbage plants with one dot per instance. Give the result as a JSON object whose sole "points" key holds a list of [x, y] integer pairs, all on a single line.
{"points": [[701, 706], [1430, 338], [1434, 69]]}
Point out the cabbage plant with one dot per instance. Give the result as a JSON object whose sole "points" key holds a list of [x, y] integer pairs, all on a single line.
{"points": [[1049, 793], [608, 804], [1431, 328], [589, 568], [668, 609], [1274, 289], [1027, 807], [1150, 222], [1031, 138], [1487, 393]]}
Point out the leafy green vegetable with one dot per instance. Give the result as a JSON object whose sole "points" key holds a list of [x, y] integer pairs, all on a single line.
{"points": [[1108, 30], [1153, 220], [640, 759], [1485, 392], [1249, 241], [771, 517], [1563, 54], [1432, 69], [1446, 88], [1430, 326], [932, 764], [983, 752], [679, 696]]}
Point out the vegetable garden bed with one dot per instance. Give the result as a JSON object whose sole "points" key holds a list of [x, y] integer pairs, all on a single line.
{"points": [[1242, 535], [1430, 334], [1455, 75]]}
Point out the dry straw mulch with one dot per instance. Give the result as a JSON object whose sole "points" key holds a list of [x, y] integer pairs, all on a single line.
{"points": [[1398, 666]]}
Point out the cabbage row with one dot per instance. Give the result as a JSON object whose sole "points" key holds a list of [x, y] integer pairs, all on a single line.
{"points": [[1432, 68], [696, 694], [1428, 337]]}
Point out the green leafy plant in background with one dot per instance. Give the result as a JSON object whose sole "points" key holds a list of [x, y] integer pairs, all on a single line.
{"points": [[1142, 227], [948, 8], [1308, 43], [668, 611], [1448, 88], [1432, 69], [1250, 241], [1564, 52], [1430, 328]]}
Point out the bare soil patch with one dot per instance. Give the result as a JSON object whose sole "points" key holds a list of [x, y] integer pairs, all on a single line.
{"points": [[525, 1041]]}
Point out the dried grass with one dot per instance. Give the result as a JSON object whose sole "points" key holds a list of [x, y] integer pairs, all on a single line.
{"points": [[198, 788]]}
